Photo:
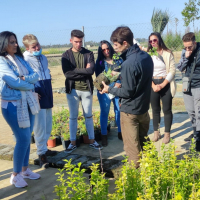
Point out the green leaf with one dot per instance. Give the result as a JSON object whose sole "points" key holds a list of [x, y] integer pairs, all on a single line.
{"points": [[190, 12]]}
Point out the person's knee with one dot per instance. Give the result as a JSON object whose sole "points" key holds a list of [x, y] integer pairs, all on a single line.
{"points": [[23, 142], [167, 111], [73, 118], [105, 113], [156, 110], [88, 117]]}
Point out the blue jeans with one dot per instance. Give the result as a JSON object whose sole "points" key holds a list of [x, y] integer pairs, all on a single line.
{"points": [[104, 102], [73, 100], [22, 135], [42, 129]]}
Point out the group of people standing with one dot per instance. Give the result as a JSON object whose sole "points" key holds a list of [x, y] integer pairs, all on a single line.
{"points": [[27, 100]]}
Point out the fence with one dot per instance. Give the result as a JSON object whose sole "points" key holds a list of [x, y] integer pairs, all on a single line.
{"points": [[54, 43]]}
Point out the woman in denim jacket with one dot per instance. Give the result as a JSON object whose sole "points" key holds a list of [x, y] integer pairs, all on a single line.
{"points": [[104, 62], [18, 104]]}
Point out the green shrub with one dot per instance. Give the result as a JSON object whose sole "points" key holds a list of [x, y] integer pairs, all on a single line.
{"points": [[60, 124], [173, 41], [160, 177]]}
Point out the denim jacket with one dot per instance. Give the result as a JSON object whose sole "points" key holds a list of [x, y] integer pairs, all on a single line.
{"points": [[10, 82]]}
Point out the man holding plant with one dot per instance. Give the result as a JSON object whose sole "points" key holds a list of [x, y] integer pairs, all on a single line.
{"points": [[78, 68], [134, 94]]}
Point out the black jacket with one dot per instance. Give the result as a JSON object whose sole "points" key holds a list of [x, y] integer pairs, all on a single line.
{"points": [[136, 79], [187, 64], [72, 73]]}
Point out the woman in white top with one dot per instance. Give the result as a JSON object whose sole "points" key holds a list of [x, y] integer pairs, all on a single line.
{"points": [[163, 85]]}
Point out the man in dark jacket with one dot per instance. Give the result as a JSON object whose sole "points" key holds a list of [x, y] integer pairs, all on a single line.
{"points": [[190, 57], [135, 91], [78, 68]]}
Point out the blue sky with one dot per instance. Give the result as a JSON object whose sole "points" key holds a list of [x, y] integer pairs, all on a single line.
{"points": [[52, 20]]}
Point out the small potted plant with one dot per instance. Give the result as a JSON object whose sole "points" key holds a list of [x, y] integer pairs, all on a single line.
{"points": [[97, 128], [98, 81], [56, 134], [111, 120], [56, 128], [83, 131], [51, 141], [32, 138], [86, 138], [107, 76], [78, 139], [65, 139], [97, 133]]}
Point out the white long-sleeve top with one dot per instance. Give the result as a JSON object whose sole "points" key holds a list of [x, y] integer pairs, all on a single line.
{"points": [[160, 68]]}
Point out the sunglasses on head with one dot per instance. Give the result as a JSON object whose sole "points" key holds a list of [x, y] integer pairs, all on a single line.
{"points": [[103, 50], [154, 40]]}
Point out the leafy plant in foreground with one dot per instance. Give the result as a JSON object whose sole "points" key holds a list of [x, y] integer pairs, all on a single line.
{"points": [[161, 176]]}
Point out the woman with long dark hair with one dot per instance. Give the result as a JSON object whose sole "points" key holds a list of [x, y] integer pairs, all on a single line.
{"points": [[19, 104], [104, 62], [163, 85]]}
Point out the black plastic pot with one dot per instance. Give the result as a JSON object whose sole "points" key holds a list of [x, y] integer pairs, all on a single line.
{"points": [[113, 123], [97, 135], [32, 139], [78, 142], [58, 140], [108, 127], [81, 138], [65, 144]]}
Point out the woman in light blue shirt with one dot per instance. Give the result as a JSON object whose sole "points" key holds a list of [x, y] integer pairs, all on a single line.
{"points": [[19, 104]]}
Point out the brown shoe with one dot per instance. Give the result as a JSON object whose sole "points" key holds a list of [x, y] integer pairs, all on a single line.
{"points": [[104, 140], [166, 138], [156, 136]]}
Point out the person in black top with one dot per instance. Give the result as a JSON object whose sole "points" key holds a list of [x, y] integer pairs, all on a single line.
{"points": [[78, 68], [104, 62], [134, 94]]}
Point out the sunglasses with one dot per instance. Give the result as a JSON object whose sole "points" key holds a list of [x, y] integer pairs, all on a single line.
{"points": [[154, 40], [103, 50], [188, 48]]}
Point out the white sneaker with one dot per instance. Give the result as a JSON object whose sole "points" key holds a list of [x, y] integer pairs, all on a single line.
{"points": [[95, 145], [18, 181], [70, 148], [29, 174]]}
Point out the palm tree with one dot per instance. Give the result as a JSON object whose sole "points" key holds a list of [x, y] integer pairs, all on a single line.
{"points": [[159, 20]]}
